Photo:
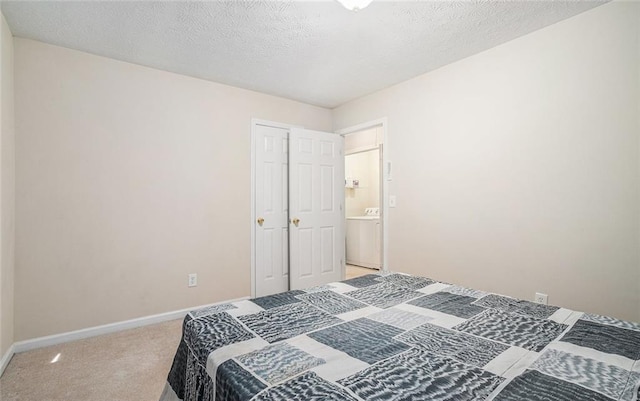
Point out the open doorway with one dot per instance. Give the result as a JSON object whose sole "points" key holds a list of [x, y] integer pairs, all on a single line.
{"points": [[365, 184], [362, 211]]}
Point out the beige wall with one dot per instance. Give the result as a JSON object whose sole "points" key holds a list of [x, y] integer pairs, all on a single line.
{"points": [[517, 170], [127, 179], [7, 187], [363, 140]]}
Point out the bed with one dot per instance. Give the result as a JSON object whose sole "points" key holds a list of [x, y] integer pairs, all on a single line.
{"points": [[399, 337]]}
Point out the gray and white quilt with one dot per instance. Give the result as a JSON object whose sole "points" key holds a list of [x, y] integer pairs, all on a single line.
{"points": [[400, 337]]}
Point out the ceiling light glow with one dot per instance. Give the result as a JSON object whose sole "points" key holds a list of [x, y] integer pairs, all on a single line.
{"points": [[355, 5]]}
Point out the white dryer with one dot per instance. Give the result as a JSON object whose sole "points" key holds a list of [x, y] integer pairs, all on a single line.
{"points": [[364, 239]]}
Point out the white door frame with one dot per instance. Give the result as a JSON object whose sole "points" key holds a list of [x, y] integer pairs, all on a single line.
{"points": [[386, 177], [254, 123]]}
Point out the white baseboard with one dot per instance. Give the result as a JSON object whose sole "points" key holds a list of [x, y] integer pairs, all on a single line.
{"points": [[6, 358], [27, 345]]}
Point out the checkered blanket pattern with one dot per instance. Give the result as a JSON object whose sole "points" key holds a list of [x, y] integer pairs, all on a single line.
{"points": [[400, 337]]}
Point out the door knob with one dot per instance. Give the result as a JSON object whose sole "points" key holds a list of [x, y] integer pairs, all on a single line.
{"points": [[295, 221], [260, 221]]}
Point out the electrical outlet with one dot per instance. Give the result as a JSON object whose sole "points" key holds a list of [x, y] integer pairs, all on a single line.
{"points": [[541, 298], [193, 280]]}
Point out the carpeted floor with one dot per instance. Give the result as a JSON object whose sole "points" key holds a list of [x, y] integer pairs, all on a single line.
{"points": [[357, 271], [130, 365]]}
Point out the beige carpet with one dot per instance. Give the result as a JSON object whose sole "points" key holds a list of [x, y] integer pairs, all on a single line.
{"points": [[129, 365], [357, 271]]}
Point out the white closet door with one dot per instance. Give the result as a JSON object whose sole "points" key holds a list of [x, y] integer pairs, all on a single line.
{"points": [[316, 208], [271, 211]]}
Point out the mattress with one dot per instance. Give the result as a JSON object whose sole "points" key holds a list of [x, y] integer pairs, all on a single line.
{"points": [[400, 337]]}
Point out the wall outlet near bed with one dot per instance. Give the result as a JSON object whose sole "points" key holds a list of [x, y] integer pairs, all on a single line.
{"points": [[193, 280], [541, 298]]}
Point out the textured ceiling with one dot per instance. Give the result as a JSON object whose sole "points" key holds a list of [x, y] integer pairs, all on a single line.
{"points": [[313, 51]]}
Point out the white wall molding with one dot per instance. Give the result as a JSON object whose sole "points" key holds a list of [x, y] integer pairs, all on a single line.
{"points": [[6, 358], [40, 342]]}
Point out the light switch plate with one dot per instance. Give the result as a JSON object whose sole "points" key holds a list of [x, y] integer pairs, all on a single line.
{"points": [[392, 201]]}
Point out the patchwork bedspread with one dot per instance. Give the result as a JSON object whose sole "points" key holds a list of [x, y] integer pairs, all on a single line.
{"points": [[400, 337]]}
